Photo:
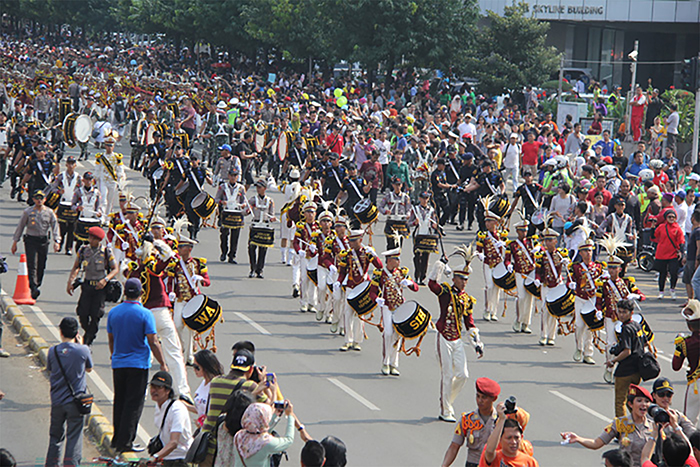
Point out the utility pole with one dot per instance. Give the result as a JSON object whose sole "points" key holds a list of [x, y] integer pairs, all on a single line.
{"points": [[628, 115], [696, 120], [561, 83]]}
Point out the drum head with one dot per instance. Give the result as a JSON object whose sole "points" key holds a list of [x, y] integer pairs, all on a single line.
{"points": [[82, 129], [259, 142], [199, 199], [357, 290], [149, 134], [556, 293], [539, 216], [588, 306], [362, 205], [499, 271], [404, 312], [193, 305], [158, 174], [282, 146]]}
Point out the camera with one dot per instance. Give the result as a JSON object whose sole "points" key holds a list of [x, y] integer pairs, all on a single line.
{"points": [[615, 350], [280, 405], [77, 284], [510, 404], [659, 415]]}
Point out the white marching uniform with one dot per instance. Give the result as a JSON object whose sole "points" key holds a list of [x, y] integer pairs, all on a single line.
{"points": [[107, 184]]}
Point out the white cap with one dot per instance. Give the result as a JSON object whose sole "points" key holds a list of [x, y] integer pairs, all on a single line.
{"points": [[234, 101], [221, 105], [691, 312]]}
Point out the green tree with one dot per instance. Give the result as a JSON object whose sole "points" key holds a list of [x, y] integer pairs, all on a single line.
{"points": [[511, 52]]}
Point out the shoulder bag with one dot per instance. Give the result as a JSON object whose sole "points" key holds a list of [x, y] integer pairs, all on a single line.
{"points": [[678, 250], [648, 364], [83, 400], [155, 444]]}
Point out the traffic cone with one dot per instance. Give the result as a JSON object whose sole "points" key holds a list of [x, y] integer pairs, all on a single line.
{"points": [[23, 295]]}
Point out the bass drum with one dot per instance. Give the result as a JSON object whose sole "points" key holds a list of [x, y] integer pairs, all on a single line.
{"points": [[201, 313], [231, 219], [262, 235], [203, 205], [259, 142], [365, 211], [68, 129], [502, 278], [411, 320], [360, 299], [425, 244], [82, 227], [282, 144], [82, 129], [52, 200], [560, 301]]}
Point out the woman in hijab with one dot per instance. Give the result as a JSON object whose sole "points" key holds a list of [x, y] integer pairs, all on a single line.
{"points": [[254, 444]]}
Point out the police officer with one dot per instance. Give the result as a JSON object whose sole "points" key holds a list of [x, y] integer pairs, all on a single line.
{"points": [[98, 266], [40, 172], [41, 223], [332, 177], [467, 200], [452, 166], [439, 187], [487, 183]]}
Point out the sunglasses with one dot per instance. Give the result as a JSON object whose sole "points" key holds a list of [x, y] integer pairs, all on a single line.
{"points": [[196, 367], [664, 394]]}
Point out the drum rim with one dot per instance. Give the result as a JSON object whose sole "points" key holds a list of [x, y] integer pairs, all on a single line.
{"points": [[191, 300], [75, 128], [407, 302], [357, 287]]}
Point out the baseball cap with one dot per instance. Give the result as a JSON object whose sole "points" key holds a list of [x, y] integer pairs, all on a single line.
{"points": [[70, 159], [243, 360], [163, 379], [681, 194], [132, 286], [225, 147]]}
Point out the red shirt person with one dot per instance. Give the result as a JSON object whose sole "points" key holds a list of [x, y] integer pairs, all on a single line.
{"points": [[599, 187]]}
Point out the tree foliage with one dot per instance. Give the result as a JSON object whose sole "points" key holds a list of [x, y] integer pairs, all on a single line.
{"points": [[511, 52]]}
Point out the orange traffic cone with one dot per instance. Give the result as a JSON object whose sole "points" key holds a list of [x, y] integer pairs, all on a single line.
{"points": [[23, 295]]}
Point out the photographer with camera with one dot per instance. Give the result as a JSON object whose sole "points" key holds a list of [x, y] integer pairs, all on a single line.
{"points": [[676, 450], [663, 396], [632, 430], [688, 348], [98, 266], [504, 443], [626, 354]]}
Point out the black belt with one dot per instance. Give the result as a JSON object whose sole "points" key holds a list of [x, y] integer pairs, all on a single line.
{"points": [[37, 238], [93, 283]]}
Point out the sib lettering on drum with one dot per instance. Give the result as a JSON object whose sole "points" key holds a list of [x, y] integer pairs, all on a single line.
{"points": [[418, 320]]}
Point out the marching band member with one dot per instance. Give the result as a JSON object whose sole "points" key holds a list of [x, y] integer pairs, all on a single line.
{"points": [[353, 270], [335, 245], [456, 308], [65, 184], [197, 175], [131, 231], [231, 198], [424, 218], [263, 210], [688, 347], [325, 305], [291, 191], [304, 245], [396, 205], [388, 283], [521, 255], [584, 274], [86, 202], [611, 289], [186, 274], [118, 218], [490, 246], [550, 269], [110, 173]]}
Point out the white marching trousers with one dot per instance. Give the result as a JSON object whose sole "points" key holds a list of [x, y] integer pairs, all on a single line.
{"points": [[390, 339], [172, 350], [308, 288], [183, 331], [524, 303], [354, 329], [493, 294], [692, 403], [454, 373], [339, 313], [610, 337], [296, 268], [582, 333], [323, 293], [549, 322]]}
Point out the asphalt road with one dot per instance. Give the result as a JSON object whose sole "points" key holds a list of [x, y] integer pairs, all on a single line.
{"points": [[385, 421]]}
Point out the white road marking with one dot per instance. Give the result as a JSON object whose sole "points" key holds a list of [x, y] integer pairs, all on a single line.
{"points": [[144, 437], [354, 395], [581, 406], [248, 320]]}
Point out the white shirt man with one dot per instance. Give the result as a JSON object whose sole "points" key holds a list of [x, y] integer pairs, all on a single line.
{"points": [[512, 153]]}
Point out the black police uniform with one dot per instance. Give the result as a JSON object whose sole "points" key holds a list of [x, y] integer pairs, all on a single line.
{"points": [[246, 164], [488, 186], [332, 181], [452, 174], [198, 175], [353, 187], [467, 200], [439, 195], [528, 194], [155, 154], [41, 171]]}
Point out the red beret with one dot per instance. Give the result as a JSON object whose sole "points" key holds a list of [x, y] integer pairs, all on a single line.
{"points": [[96, 232], [638, 391], [488, 387]]}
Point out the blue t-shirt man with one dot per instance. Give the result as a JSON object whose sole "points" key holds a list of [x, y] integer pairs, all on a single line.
{"points": [[129, 323]]}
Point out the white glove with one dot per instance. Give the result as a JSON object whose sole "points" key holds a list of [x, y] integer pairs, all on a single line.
{"points": [[171, 296], [565, 261], [500, 244], [572, 285], [312, 249], [380, 302], [605, 275], [333, 270], [336, 285], [480, 256], [139, 252], [447, 271], [633, 296], [370, 251], [598, 315], [510, 268], [197, 278], [301, 253], [125, 246], [537, 283], [405, 283]]}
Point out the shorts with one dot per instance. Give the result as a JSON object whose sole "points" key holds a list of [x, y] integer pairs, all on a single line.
{"points": [[688, 272]]}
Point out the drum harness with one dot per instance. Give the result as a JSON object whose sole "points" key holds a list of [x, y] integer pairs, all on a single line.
{"points": [[231, 197], [43, 175], [90, 202], [68, 188]]}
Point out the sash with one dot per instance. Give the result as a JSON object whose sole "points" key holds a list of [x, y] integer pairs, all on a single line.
{"points": [[340, 185], [423, 220], [588, 276], [104, 161], [356, 259], [68, 189], [357, 190], [454, 171], [90, 202], [617, 226], [498, 249], [491, 188], [529, 195], [527, 254], [551, 265], [43, 175], [132, 232], [190, 280], [263, 208], [232, 197]]}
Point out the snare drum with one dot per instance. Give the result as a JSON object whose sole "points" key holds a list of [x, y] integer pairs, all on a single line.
{"points": [[52, 200], [529, 284], [500, 205], [411, 320], [425, 244], [65, 213], [365, 211], [262, 235], [592, 321], [82, 227], [560, 301], [396, 225], [502, 278], [646, 329], [201, 313], [231, 219], [538, 218], [181, 193], [203, 205], [360, 299]]}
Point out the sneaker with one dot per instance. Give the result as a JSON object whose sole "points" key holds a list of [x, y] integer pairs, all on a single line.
{"points": [[494, 317], [355, 346], [608, 376], [345, 347], [385, 369], [69, 253], [526, 329], [447, 418], [341, 332], [487, 316], [673, 294], [588, 360], [550, 341], [577, 355], [334, 328], [303, 308], [394, 371], [4, 353], [460, 227], [319, 314], [543, 341], [232, 261], [259, 275], [661, 295], [136, 447], [516, 326]]}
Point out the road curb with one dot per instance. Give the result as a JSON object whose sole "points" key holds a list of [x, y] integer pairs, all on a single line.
{"points": [[97, 424]]}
